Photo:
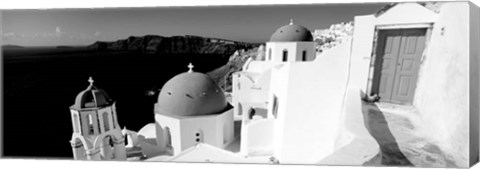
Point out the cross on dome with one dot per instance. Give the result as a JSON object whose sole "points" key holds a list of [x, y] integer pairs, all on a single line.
{"points": [[291, 21], [90, 80], [190, 67]]}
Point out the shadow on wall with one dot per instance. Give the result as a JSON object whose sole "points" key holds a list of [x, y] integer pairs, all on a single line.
{"points": [[390, 154]]}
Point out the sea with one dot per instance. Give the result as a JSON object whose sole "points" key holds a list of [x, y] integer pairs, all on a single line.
{"points": [[41, 83]]}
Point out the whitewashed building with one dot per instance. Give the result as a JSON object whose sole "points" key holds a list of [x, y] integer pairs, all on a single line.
{"points": [[297, 107]]}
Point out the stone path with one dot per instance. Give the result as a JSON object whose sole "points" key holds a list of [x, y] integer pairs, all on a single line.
{"points": [[392, 138], [395, 128]]}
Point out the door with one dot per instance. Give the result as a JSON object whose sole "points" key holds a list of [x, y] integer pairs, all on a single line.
{"points": [[397, 63]]}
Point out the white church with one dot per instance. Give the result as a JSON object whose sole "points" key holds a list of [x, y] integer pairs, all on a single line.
{"points": [[293, 107]]}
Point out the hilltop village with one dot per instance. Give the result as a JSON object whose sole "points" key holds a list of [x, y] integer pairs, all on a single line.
{"points": [[303, 104]]}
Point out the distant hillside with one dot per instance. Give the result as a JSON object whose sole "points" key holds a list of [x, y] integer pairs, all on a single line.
{"points": [[154, 44], [11, 47]]}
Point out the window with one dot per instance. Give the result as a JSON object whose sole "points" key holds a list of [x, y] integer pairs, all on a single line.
{"points": [[304, 55], [251, 113], [270, 54], [199, 136], [106, 124], [275, 106], [240, 109], [168, 138], [109, 140], [285, 55], [90, 124], [75, 123], [126, 139], [114, 120]]}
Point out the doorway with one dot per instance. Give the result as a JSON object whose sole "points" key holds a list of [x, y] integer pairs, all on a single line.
{"points": [[398, 57]]}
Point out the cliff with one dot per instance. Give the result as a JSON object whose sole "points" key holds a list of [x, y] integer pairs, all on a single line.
{"points": [[223, 75], [154, 44]]}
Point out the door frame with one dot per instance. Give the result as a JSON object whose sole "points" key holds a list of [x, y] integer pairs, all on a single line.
{"points": [[378, 28]]}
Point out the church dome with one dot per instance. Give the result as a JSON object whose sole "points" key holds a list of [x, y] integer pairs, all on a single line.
{"points": [[292, 33], [191, 94], [91, 98]]}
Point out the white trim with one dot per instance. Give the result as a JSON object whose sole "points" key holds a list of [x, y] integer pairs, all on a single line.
{"points": [[404, 26]]}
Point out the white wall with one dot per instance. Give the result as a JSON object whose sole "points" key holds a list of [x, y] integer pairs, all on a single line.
{"points": [[211, 127], [279, 47], [353, 132], [174, 126], [249, 87], [442, 93], [278, 88], [307, 127], [305, 46], [225, 132], [207, 125], [406, 13], [362, 45], [257, 137]]}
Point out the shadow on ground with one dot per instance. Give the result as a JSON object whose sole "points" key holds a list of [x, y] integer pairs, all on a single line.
{"points": [[390, 153]]}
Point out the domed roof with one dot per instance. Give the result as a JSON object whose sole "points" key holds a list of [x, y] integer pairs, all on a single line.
{"points": [[91, 98], [191, 94], [291, 33]]}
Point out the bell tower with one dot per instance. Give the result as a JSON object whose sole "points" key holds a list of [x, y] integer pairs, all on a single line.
{"points": [[96, 133]]}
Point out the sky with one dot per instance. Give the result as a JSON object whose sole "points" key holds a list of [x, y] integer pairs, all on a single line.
{"points": [[51, 27]]}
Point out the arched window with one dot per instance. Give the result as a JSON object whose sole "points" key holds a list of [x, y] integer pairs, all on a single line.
{"points": [[168, 138], [114, 119], [285, 55], [75, 123], [270, 54], [240, 109], [126, 139], [91, 131], [106, 123], [304, 55]]}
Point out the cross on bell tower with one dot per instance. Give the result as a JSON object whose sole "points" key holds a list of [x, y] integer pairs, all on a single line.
{"points": [[190, 67], [90, 80]]}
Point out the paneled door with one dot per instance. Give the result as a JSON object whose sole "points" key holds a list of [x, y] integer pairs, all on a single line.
{"points": [[397, 62]]}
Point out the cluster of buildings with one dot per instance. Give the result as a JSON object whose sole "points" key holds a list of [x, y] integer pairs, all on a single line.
{"points": [[291, 107], [337, 33]]}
